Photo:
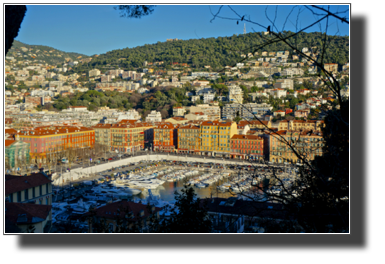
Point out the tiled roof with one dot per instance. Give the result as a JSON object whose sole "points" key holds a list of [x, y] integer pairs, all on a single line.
{"points": [[216, 123], [189, 126], [9, 142], [178, 118], [253, 122], [252, 137], [26, 213], [19, 183], [165, 126], [53, 130], [119, 209]]}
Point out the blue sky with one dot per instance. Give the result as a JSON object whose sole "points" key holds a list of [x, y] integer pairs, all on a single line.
{"points": [[96, 29]]}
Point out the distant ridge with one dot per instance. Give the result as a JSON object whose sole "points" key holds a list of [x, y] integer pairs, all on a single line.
{"points": [[43, 53], [218, 52]]}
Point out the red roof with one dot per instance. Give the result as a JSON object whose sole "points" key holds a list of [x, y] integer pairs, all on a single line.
{"points": [[34, 213], [216, 123], [121, 208], [178, 118], [19, 183], [252, 137], [9, 142]]}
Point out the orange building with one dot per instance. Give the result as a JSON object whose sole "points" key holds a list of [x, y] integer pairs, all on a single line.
{"points": [[55, 139], [165, 137], [128, 136]]}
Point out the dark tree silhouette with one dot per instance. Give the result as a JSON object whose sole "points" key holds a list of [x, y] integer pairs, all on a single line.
{"points": [[14, 15], [135, 11]]}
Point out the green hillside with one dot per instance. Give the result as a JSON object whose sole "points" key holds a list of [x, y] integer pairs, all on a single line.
{"points": [[21, 51], [217, 52]]}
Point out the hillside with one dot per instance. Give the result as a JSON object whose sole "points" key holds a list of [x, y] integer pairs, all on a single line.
{"points": [[46, 54], [216, 52]]}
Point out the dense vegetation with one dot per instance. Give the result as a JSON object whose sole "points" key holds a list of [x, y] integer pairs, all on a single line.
{"points": [[216, 52], [44, 53], [158, 99]]}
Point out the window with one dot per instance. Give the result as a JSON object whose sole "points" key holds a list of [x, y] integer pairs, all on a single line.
{"points": [[46, 188], [40, 190], [33, 192], [26, 194], [19, 197]]}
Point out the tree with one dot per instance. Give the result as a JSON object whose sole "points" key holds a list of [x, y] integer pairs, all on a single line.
{"points": [[318, 198], [14, 15], [188, 216], [135, 11]]}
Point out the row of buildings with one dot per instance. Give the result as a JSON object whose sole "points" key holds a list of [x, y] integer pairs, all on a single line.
{"points": [[247, 139]]}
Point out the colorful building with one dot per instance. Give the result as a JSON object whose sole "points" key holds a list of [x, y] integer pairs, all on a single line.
{"points": [[128, 137], [189, 139], [247, 147], [308, 144], [16, 155], [165, 137], [216, 137], [51, 140]]}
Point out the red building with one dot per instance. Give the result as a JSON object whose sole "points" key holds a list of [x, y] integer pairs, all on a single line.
{"points": [[247, 147]]}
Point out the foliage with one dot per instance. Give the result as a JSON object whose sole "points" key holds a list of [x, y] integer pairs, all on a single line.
{"points": [[55, 57], [216, 52], [188, 216], [135, 11]]}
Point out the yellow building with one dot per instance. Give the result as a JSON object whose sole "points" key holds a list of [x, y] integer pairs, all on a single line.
{"points": [[215, 137], [189, 139], [308, 145], [300, 125]]}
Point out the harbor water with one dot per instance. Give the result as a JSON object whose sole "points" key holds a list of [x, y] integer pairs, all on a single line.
{"points": [[167, 191]]}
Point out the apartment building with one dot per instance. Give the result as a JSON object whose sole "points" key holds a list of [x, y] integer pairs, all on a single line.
{"points": [[284, 84], [178, 111], [216, 137], [16, 154], [102, 134], [331, 67], [308, 144], [128, 137], [165, 137], [235, 94], [189, 138], [94, 72], [230, 111], [247, 147], [212, 112], [154, 116], [28, 202], [48, 140], [252, 110]]}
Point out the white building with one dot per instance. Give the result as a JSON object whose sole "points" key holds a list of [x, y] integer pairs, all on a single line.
{"points": [[154, 116], [208, 97], [278, 93], [235, 94], [284, 84], [94, 72]]}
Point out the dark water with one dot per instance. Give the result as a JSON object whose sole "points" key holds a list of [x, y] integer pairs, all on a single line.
{"points": [[167, 190]]}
